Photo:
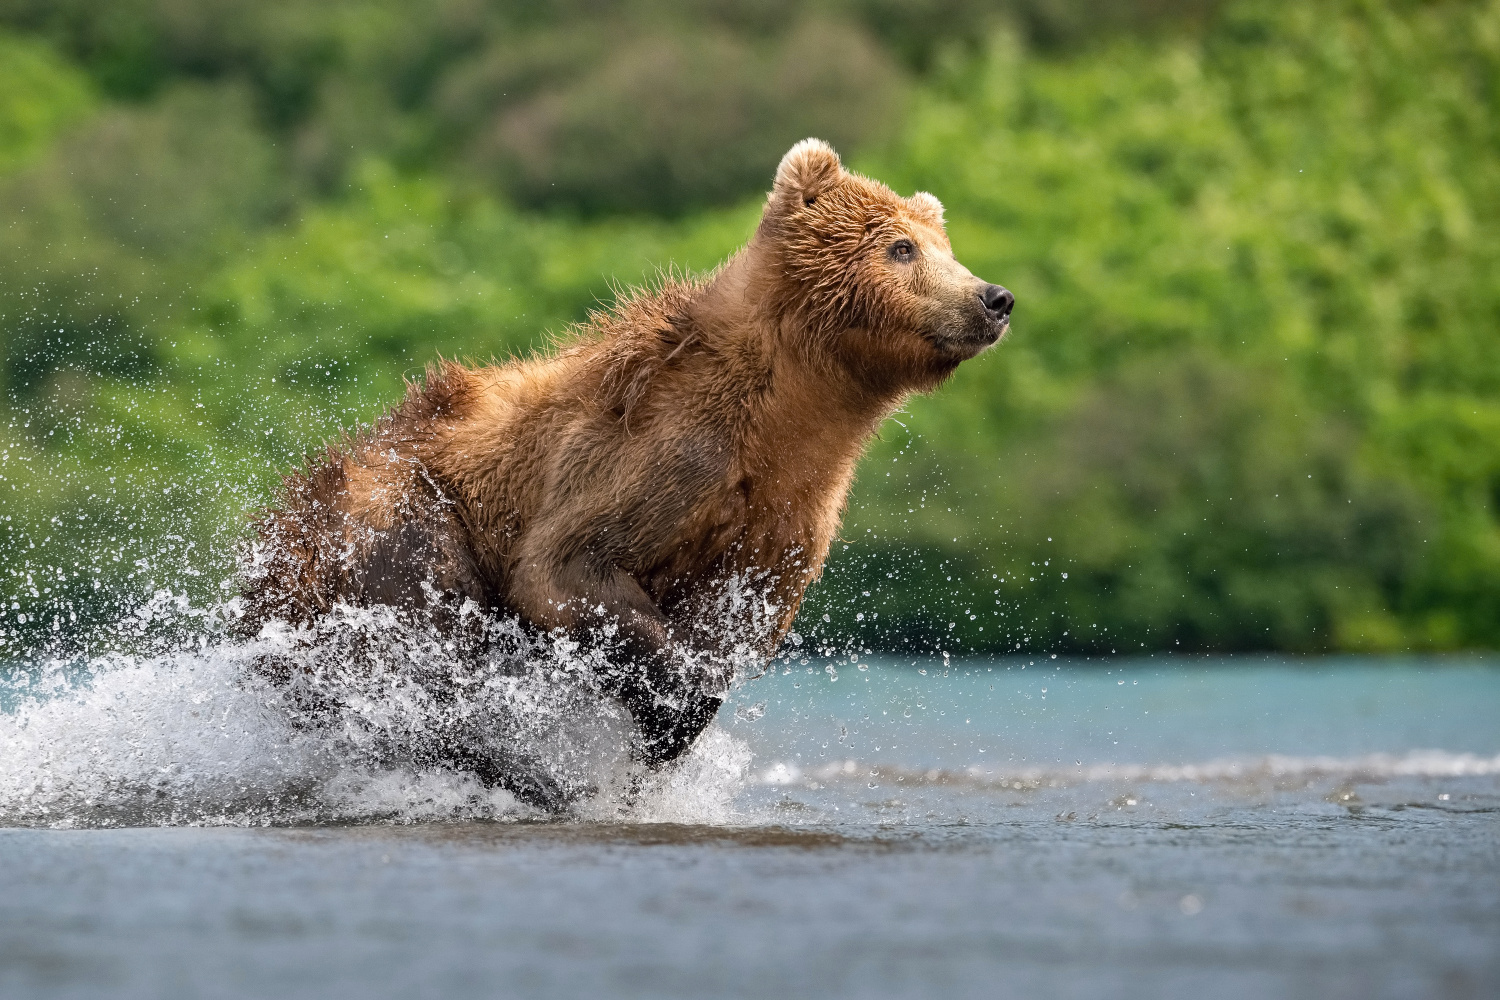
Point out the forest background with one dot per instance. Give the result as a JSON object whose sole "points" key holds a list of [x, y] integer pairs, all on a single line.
{"points": [[1251, 399]]}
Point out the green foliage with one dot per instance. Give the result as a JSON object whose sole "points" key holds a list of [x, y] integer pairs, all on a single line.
{"points": [[669, 122], [1252, 396], [376, 286], [922, 32], [593, 108], [626, 105], [120, 217], [40, 95]]}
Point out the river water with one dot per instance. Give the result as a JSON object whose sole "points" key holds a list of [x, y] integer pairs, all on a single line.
{"points": [[1021, 828]]}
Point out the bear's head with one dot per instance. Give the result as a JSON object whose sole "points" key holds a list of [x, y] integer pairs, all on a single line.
{"points": [[870, 276]]}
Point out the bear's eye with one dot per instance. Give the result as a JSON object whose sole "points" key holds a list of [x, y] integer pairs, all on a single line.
{"points": [[903, 252], [810, 201]]}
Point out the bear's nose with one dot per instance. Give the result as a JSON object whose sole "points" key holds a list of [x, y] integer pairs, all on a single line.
{"points": [[998, 302]]}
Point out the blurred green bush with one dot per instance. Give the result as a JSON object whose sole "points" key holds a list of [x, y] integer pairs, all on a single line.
{"points": [[1252, 397], [668, 122]]}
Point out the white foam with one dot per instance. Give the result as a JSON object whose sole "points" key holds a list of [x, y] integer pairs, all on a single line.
{"points": [[700, 788], [173, 738], [199, 737]]}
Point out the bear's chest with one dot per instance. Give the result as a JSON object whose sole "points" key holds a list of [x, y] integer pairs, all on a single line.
{"points": [[743, 535]]}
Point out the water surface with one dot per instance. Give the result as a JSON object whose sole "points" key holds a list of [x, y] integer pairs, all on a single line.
{"points": [[1322, 828]]}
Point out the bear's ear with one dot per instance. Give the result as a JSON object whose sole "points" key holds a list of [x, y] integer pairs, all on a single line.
{"points": [[928, 207], [808, 169]]}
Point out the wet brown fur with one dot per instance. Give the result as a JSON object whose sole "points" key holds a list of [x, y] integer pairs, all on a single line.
{"points": [[704, 429]]}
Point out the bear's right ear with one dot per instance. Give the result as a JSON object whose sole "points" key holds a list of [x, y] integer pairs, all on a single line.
{"points": [[808, 169]]}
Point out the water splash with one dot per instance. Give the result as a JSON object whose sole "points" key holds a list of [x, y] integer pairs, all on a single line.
{"points": [[365, 730]]}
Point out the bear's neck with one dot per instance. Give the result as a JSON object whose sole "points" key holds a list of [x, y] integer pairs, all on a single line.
{"points": [[805, 417]]}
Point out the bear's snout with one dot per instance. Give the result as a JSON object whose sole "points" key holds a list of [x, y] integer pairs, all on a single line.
{"points": [[997, 301], [987, 324]]}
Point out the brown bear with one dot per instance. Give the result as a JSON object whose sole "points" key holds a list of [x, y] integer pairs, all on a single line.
{"points": [[672, 477]]}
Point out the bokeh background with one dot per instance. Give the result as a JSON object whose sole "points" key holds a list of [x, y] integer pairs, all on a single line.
{"points": [[1251, 399]]}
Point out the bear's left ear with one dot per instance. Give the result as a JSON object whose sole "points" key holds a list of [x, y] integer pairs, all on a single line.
{"points": [[808, 169], [927, 206]]}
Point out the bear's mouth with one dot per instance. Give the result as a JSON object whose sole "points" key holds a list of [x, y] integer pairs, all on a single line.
{"points": [[997, 330], [972, 338]]}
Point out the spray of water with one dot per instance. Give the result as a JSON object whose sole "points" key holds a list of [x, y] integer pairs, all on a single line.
{"points": [[375, 719]]}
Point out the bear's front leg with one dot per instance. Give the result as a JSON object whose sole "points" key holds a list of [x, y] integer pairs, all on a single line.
{"points": [[672, 694]]}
